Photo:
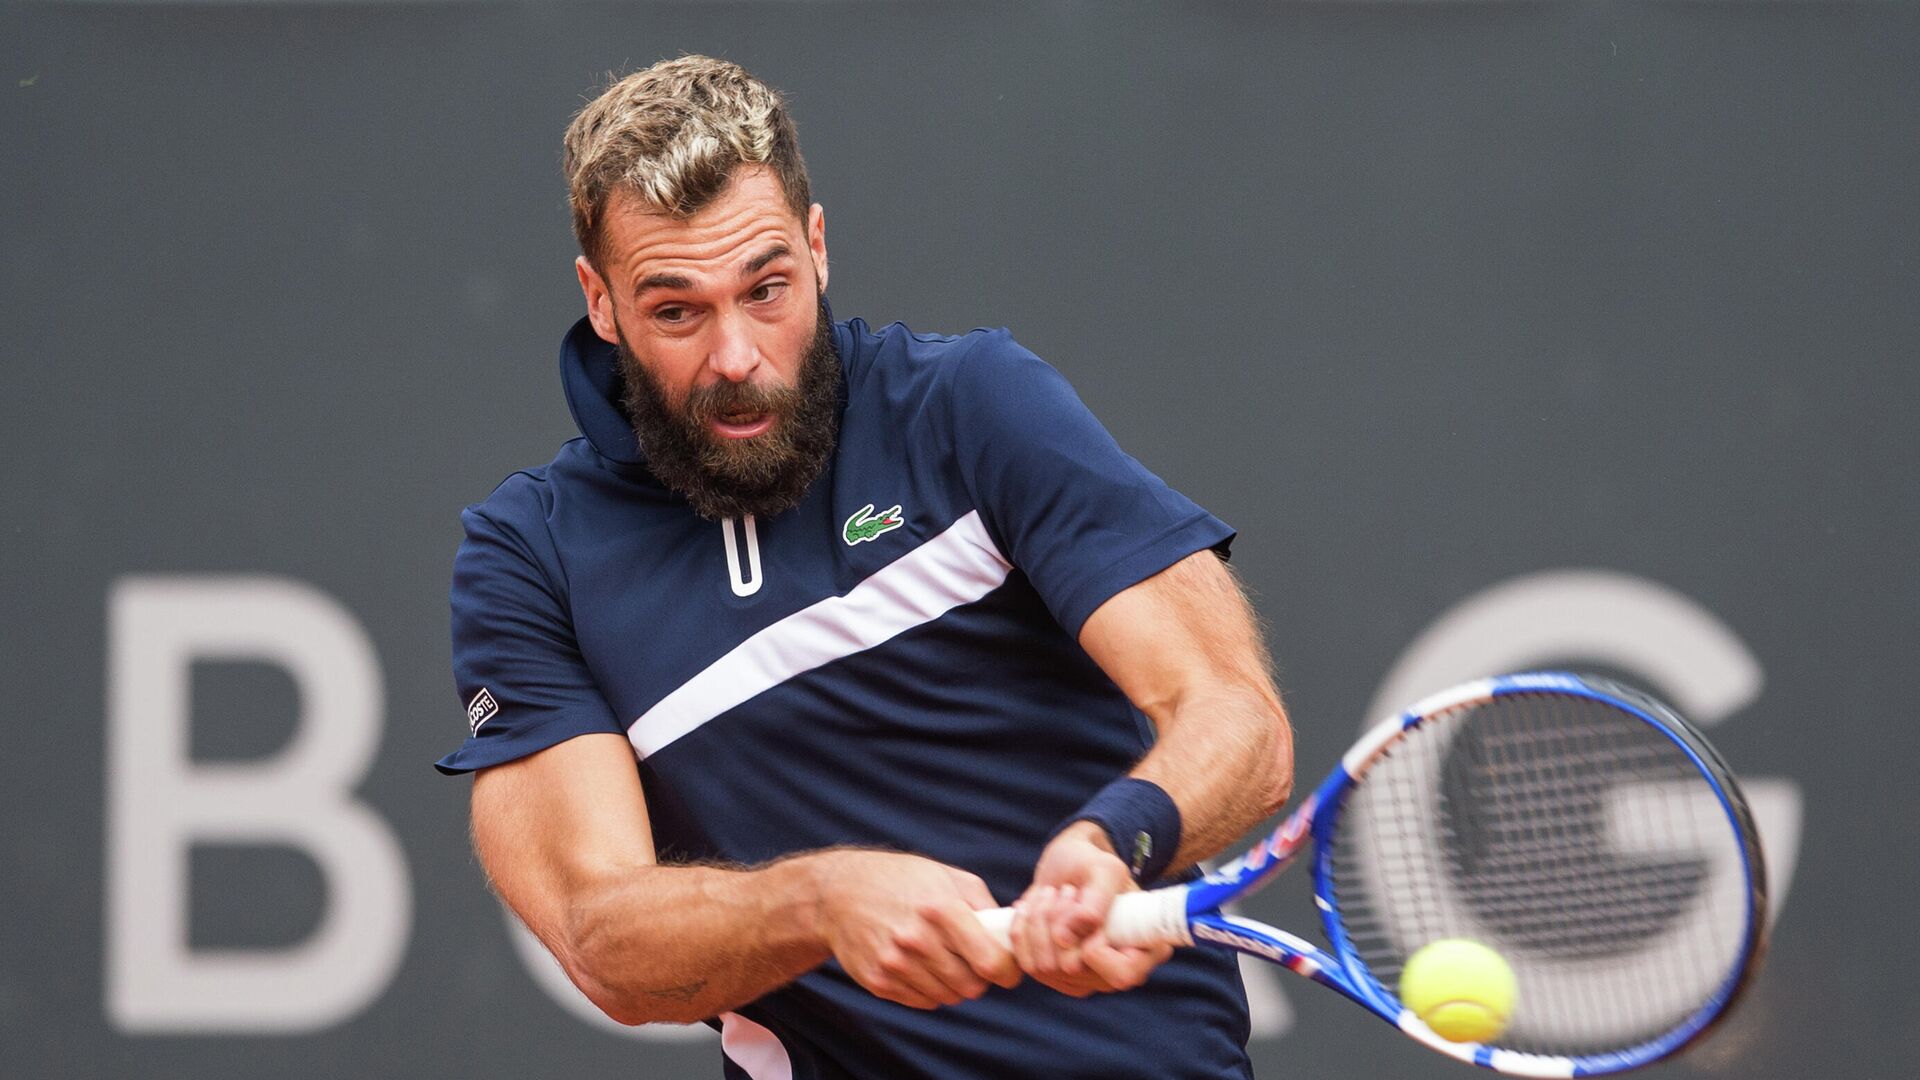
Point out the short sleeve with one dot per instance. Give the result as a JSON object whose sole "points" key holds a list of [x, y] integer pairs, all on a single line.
{"points": [[516, 664], [1074, 512]]}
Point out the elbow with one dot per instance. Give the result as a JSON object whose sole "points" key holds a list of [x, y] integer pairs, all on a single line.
{"points": [[621, 1004], [1274, 796], [626, 1003], [1277, 782], [621, 1009], [632, 1007], [598, 959]]}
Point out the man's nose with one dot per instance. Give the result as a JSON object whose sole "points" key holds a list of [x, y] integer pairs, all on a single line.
{"points": [[735, 353]]}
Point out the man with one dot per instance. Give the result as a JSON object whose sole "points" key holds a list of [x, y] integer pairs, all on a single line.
{"points": [[884, 618]]}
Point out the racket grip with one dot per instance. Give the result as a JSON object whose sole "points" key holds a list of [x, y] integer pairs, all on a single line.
{"points": [[1157, 917]]}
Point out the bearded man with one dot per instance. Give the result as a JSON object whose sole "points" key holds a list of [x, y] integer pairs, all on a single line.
{"points": [[823, 637]]}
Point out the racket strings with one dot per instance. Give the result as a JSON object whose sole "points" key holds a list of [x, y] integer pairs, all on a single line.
{"points": [[1572, 837]]}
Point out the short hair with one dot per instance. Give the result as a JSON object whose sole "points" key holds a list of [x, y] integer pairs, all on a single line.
{"points": [[671, 136]]}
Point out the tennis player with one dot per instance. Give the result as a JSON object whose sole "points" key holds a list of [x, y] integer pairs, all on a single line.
{"points": [[822, 636]]}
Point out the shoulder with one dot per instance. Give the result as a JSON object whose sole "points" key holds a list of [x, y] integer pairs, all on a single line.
{"points": [[897, 344], [522, 498], [899, 364], [520, 508]]}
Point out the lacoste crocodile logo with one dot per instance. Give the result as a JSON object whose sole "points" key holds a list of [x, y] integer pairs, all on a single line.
{"points": [[865, 524]]}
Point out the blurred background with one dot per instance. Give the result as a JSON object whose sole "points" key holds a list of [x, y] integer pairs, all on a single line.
{"points": [[1506, 333]]}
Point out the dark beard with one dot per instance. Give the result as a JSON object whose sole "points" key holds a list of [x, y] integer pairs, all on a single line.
{"points": [[762, 476]]}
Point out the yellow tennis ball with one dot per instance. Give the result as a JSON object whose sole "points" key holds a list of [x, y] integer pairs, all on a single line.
{"points": [[1462, 989]]}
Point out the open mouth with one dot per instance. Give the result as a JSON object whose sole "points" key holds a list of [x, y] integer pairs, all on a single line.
{"points": [[742, 425]]}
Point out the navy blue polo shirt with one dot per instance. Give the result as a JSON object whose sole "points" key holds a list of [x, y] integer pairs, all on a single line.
{"points": [[893, 662]]}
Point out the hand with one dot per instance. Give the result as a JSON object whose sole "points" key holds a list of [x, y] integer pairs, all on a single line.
{"points": [[1058, 930], [903, 927]]}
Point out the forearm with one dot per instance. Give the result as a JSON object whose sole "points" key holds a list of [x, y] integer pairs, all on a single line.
{"points": [[565, 839], [1226, 759], [682, 943]]}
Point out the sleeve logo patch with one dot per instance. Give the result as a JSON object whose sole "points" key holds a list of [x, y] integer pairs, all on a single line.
{"points": [[866, 525], [480, 710]]}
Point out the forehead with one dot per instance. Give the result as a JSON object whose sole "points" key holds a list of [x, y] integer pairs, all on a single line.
{"points": [[750, 216]]}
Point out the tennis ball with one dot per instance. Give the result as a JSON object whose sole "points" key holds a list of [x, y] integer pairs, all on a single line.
{"points": [[1462, 989]]}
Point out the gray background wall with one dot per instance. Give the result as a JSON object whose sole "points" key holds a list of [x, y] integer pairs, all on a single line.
{"points": [[1424, 297]]}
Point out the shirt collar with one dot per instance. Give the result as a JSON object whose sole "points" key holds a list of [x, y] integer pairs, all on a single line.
{"points": [[590, 373]]}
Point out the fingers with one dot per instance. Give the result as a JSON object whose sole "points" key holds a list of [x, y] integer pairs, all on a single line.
{"points": [[1033, 946], [1081, 864], [903, 926], [1067, 906], [1038, 951], [1084, 913], [1064, 918], [922, 959], [1118, 967], [982, 954], [946, 957], [1090, 964]]}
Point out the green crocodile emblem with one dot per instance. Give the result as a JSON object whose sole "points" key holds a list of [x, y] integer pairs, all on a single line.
{"points": [[1142, 852], [865, 524]]}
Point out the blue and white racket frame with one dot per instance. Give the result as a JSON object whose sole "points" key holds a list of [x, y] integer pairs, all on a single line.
{"points": [[1190, 914]]}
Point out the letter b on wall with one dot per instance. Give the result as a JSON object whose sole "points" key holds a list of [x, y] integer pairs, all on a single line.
{"points": [[160, 803]]}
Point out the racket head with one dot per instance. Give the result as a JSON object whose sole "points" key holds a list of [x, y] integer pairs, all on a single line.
{"points": [[1580, 828]]}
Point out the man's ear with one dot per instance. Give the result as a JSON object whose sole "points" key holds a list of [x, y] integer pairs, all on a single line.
{"points": [[817, 242], [599, 301]]}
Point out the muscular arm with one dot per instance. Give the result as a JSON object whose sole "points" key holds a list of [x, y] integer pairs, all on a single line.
{"points": [[1185, 648], [564, 837]]}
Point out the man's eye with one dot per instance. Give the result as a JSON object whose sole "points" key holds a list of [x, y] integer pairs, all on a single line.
{"points": [[670, 314], [767, 291]]}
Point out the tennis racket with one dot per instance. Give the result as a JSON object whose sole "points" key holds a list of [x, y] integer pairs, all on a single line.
{"points": [[1578, 827]]}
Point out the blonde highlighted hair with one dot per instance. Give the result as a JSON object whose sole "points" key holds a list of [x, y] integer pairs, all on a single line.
{"points": [[671, 136]]}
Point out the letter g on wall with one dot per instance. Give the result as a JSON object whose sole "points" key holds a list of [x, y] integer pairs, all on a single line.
{"points": [[1644, 629]]}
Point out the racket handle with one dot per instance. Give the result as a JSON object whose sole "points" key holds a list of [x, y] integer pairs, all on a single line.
{"points": [[1157, 917]]}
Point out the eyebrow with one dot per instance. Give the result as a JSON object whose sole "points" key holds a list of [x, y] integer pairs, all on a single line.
{"points": [[681, 281], [662, 281], [777, 251]]}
